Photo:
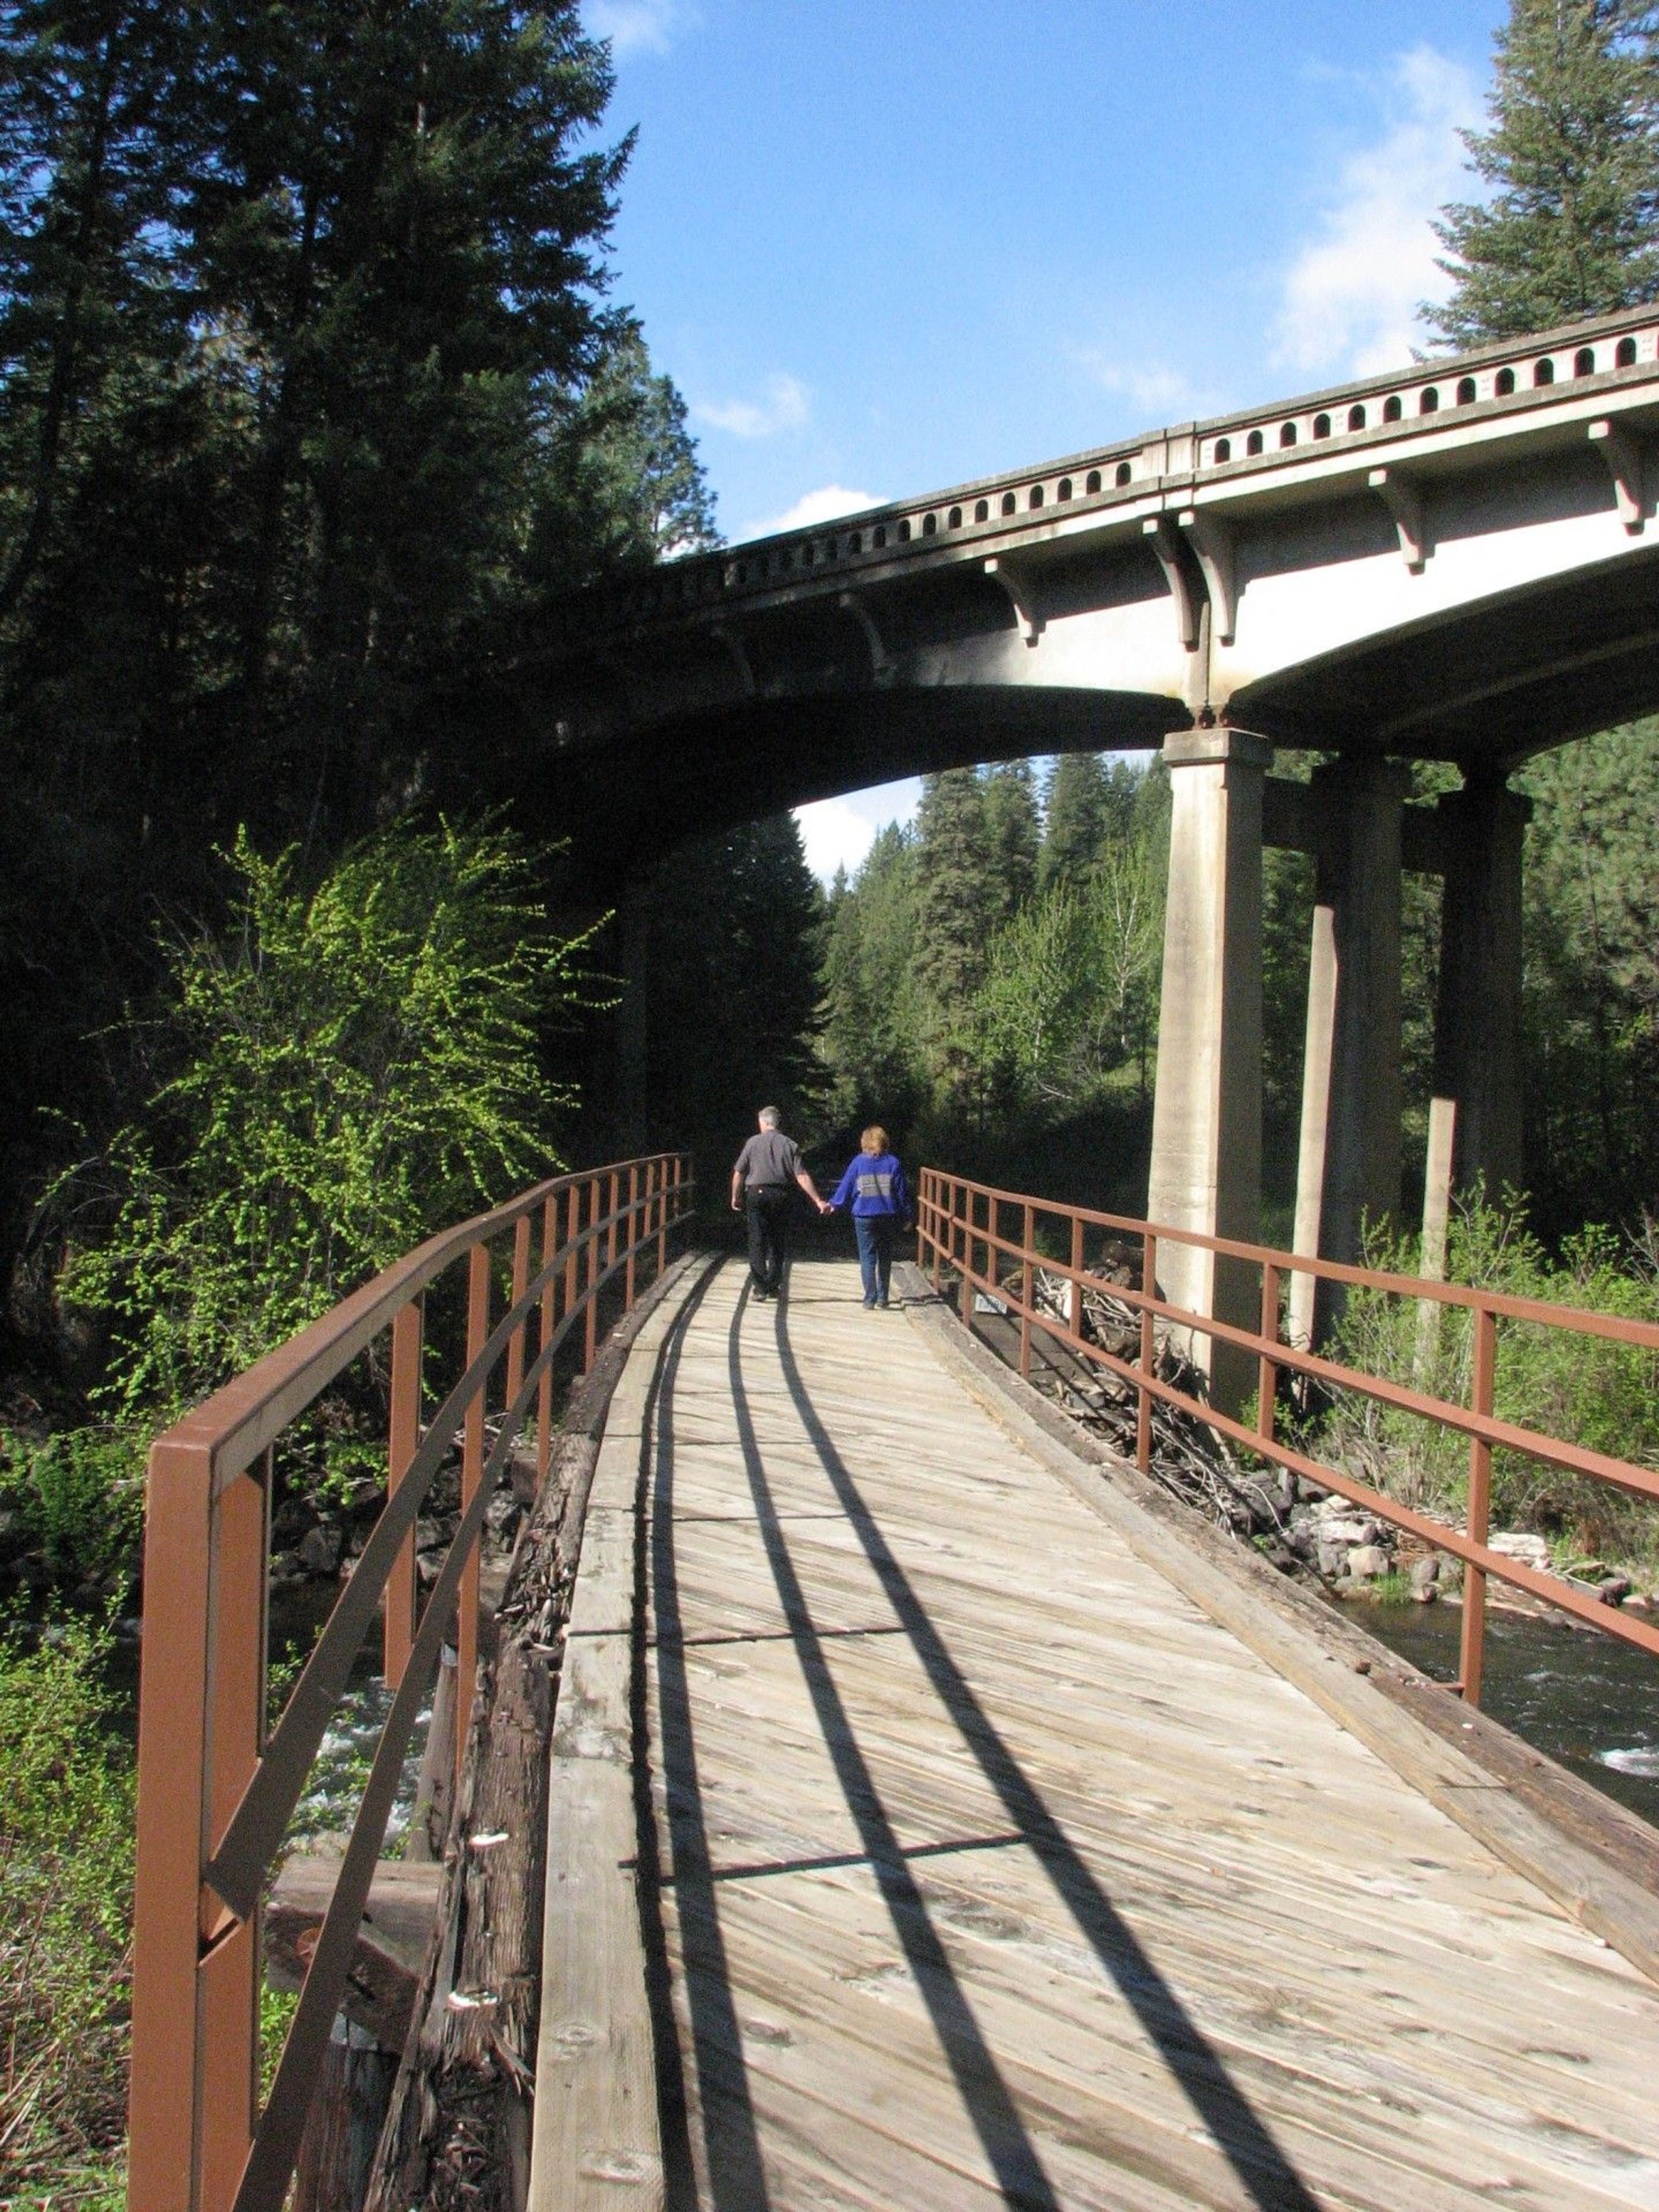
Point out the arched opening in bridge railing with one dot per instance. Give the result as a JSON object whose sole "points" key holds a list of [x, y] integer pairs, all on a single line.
{"points": [[1625, 354], [1287, 433], [1543, 372], [1253, 444], [1583, 362], [1429, 401], [981, 510], [1393, 408], [1092, 482], [1122, 474], [954, 519], [1063, 488], [1035, 498], [1465, 389], [1321, 425], [1503, 383], [218, 1782], [1355, 418], [1223, 450], [1009, 502]]}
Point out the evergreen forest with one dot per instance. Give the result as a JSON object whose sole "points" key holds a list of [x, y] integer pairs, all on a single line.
{"points": [[316, 389]]}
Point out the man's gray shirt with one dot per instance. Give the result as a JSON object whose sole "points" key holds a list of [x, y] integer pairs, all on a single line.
{"points": [[769, 1158]]}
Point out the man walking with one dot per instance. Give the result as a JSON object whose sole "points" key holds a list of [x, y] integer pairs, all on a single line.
{"points": [[761, 1177]]}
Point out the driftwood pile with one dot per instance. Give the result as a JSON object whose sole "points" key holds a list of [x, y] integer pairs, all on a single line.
{"points": [[1187, 1458]]}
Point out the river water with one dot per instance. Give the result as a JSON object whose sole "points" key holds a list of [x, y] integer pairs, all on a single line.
{"points": [[1586, 1699]]}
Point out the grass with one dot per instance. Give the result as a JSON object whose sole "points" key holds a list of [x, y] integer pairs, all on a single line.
{"points": [[66, 1824]]}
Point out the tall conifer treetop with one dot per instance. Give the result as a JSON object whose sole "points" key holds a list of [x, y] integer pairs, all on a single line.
{"points": [[1571, 228]]}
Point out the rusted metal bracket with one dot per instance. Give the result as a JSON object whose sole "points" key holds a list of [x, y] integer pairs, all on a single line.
{"points": [[1017, 585], [1161, 534], [1405, 503], [1212, 539], [883, 667], [1624, 458]]}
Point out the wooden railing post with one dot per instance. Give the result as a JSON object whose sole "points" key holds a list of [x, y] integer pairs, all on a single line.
{"points": [[1148, 1353], [1028, 1281], [403, 1435], [472, 1437], [1472, 1662], [1266, 1384]]}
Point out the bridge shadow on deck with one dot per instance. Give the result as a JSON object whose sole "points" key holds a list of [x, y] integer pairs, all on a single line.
{"points": [[734, 2157]]}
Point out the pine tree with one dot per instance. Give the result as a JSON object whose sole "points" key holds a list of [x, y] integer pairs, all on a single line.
{"points": [[1014, 832], [956, 906], [1572, 227], [1075, 818]]}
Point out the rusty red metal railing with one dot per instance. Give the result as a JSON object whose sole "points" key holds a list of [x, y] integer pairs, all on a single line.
{"points": [[959, 1227], [217, 1789]]}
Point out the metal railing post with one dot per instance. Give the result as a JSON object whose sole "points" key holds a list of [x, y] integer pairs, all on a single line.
{"points": [[1148, 1353], [233, 1969], [544, 1389], [613, 1193], [572, 1230], [1074, 1299], [591, 1312], [472, 1439], [1472, 1658], [1028, 1234], [165, 2113], [403, 1435], [1266, 1384], [662, 1217], [633, 1236], [520, 1279], [967, 1257]]}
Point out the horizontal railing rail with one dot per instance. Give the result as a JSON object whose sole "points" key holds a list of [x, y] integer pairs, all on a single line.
{"points": [[216, 1788], [960, 1227]]}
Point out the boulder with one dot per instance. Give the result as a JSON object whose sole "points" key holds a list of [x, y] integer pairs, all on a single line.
{"points": [[1614, 1590], [1367, 1561], [1332, 1559], [1522, 1546], [319, 1549], [1423, 1573]]}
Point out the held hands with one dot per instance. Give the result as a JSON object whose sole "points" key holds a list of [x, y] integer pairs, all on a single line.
{"points": [[824, 1208]]}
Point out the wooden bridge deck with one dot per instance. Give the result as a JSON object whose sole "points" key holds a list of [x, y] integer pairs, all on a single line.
{"points": [[993, 1872]]}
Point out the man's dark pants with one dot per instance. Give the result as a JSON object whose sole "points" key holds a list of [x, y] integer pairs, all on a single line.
{"points": [[768, 1212]]}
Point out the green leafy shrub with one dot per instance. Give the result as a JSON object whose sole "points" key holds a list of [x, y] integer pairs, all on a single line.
{"points": [[1583, 1388], [348, 1067], [66, 1814], [79, 1495]]}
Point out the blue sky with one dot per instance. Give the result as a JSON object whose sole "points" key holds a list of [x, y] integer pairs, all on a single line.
{"points": [[884, 248]]}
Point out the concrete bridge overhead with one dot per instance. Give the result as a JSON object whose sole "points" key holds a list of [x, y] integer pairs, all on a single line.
{"points": [[1456, 565]]}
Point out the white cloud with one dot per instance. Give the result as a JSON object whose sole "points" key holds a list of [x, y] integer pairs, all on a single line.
{"points": [[823, 504], [837, 833], [785, 404], [638, 26], [1160, 393], [1349, 299]]}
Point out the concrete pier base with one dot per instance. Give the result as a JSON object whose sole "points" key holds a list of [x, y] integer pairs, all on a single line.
{"points": [[1206, 1113], [1348, 1170]]}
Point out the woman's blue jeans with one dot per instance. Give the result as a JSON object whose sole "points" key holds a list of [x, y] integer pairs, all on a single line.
{"points": [[875, 1233]]}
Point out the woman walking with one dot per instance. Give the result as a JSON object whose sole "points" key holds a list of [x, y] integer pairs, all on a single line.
{"points": [[875, 1182]]}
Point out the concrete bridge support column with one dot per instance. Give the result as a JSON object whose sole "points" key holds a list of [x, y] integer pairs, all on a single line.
{"points": [[1349, 1167], [1475, 1115], [1207, 1111]]}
